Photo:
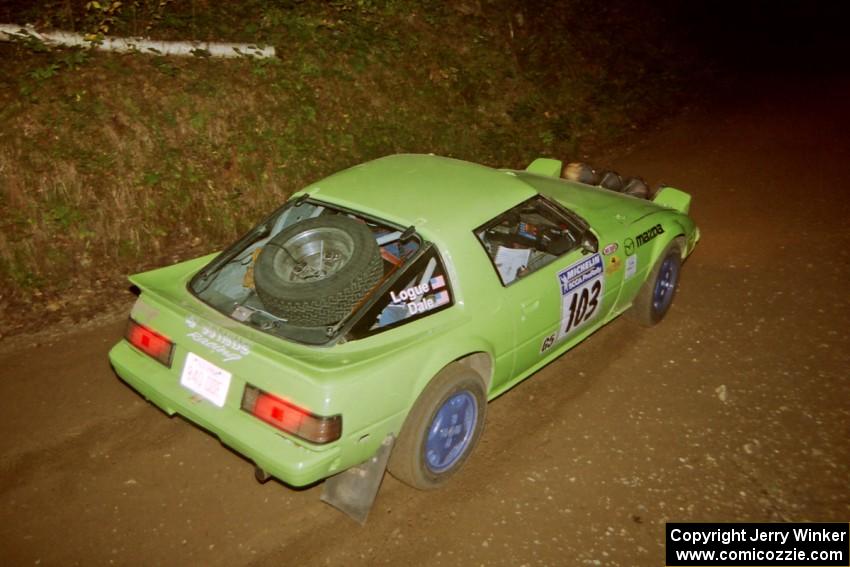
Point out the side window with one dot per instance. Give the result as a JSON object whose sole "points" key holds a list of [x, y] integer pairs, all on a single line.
{"points": [[527, 237], [422, 288]]}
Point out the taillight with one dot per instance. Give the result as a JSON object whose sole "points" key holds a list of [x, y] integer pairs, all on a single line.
{"points": [[149, 342], [290, 418]]}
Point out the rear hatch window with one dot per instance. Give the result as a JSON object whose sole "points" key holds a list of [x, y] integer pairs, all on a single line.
{"points": [[309, 271]]}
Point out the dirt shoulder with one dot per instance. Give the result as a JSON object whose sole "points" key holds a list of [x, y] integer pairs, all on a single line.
{"points": [[734, 409]]}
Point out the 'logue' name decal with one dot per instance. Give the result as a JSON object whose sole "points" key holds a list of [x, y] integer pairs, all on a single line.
{"points": [[414, 297]]}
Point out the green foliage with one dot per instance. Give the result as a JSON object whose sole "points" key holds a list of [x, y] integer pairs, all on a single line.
{"points": [[125, 160], [64, 215], [44, 73], [100, 17]]}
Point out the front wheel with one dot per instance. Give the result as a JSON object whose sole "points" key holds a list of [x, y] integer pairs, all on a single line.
{"points": [[656, 295], [441, 430]]}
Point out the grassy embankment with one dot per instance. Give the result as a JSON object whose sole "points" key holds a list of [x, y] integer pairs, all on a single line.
{"points": [[110, 164]]}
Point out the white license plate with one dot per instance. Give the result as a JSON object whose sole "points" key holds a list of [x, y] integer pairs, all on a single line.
{"points": [[205, 379]]}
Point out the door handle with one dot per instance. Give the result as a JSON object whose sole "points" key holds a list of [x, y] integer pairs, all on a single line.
{"points": [[530, 306]]}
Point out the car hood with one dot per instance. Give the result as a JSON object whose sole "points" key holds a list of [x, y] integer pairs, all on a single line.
{"points": [[600, 207]]}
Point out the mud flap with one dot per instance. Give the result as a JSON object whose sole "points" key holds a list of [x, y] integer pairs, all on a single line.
{"points": [[353, 491]]}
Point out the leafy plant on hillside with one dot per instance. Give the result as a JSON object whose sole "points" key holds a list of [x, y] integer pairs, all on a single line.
{"points": [[115, 163], [100, 18]]}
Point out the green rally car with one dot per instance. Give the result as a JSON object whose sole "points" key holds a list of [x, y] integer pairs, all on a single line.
{"points": [[367, 322]]}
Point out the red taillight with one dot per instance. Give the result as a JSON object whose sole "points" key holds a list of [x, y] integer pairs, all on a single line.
{"points": [[149, 342], [291, 418]]}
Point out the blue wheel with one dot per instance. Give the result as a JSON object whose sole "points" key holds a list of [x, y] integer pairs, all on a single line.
{"points": [[441, 429], [451, 431], [656, 295], [665, 284]]}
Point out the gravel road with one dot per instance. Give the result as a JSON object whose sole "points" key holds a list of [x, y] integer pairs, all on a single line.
{"points": [[736, 408]]}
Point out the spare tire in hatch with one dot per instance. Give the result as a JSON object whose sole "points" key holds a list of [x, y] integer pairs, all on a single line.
{"points": [[314, 272]]}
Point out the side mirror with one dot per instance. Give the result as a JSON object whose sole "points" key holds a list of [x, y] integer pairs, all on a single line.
{"points": [[589, 243]]}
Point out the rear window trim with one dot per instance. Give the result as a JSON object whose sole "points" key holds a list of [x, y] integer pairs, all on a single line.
{"points": [[366, 312]]}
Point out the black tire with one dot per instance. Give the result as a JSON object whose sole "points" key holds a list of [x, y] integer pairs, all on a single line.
{"points": [[611, 180], [411, 460], [306, 293], [581, 172], [656, 295], [636, 187]]}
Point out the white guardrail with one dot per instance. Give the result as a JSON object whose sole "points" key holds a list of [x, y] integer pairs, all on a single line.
{"points": [[12, 32]]}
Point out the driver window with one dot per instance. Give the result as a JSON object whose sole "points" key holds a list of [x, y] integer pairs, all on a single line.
{"points": [[527, 237]]}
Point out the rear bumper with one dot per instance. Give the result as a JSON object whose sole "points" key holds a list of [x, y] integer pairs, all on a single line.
{"points": [[271, 451]]}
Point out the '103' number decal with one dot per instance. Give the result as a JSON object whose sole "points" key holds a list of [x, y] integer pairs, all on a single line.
{"points": [[582, 288], [582, 306]]}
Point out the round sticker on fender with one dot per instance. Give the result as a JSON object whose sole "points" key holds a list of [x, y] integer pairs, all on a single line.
{"points": [[610, 249]]}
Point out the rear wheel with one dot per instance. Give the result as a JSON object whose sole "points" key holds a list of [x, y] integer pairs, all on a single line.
{"points": [[656, 295], [441, 430]]}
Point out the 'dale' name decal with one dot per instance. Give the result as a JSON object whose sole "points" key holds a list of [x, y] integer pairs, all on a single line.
{"points": [[582, 288], [414, 297]]}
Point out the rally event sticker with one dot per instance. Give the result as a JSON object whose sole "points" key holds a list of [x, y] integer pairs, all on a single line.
{"points": [[582, 288], [631, 266]]}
